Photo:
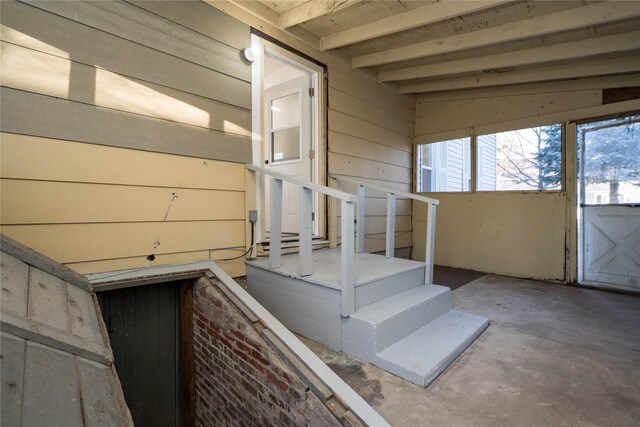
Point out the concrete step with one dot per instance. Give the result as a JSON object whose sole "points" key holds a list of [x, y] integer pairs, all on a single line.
{"points": [[423, 355], [376, 326]]}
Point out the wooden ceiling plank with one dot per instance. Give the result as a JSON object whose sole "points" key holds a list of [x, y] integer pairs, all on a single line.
{"points": [[546, 24], [562, 51], [424, 15], [311, 10], [626, 64]]}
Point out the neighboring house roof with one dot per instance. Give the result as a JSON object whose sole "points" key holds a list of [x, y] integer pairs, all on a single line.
{"points": [[57, 364]]}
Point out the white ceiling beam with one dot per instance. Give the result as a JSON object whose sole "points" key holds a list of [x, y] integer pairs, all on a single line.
{"points": [[626, 64], [418, 17], [602, 82], [311, 10], [546, 24], [562, 51]]}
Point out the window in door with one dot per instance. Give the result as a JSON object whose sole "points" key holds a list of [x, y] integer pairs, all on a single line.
{"points": [[285, 128], [611, 161]]}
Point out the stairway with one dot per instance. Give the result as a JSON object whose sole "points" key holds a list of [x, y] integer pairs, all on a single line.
{"points": [[414, 334], [400, 324]]}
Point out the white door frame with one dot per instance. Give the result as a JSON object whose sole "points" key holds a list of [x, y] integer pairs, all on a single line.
{"points": [[261, 47], [619, 210]]}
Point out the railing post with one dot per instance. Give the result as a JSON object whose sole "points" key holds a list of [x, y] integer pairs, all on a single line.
{"points": [[430, 242], [348, 259], [304, 242], [391, 225], [275, 231], [360, 219]]}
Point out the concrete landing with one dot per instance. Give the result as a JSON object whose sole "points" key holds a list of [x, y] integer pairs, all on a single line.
{"points": [[553, 355]]}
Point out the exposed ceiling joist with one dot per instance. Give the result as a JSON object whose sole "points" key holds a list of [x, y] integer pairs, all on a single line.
{"points": [[590, 83], [555, 22], [424, 15], [627, 64], [312, 9], [571, 50]]}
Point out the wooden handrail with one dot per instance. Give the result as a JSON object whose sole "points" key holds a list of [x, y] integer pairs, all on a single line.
{"points": [[341, 195], [391, 219], [385, 189]]}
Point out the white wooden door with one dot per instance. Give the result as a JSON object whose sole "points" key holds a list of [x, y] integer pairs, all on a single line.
{"points": [[288, 144], [610, 203]]}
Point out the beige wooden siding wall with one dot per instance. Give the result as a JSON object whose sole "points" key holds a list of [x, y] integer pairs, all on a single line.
{"points": [[370, 130], [124, 131], [370, 133]]}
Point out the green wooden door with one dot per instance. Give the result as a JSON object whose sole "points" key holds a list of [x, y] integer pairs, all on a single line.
{"points": [[144, 330]]}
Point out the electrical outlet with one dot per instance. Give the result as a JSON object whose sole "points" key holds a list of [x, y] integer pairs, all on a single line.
{"points": [[253, 216]]}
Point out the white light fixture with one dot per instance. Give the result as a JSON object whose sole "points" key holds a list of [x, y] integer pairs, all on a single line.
{"points": [[248, 55]]}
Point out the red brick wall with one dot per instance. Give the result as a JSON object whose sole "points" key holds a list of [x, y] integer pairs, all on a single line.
{"points": [[239, 380]]}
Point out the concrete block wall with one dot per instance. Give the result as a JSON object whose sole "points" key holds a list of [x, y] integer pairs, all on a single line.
{"points": [[239, 380]]}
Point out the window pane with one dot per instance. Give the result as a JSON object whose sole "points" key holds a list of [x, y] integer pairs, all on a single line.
{"points": [[611, 161], [445, 166], [285, 111], [426, 180], [285, 144], [524, 159]]}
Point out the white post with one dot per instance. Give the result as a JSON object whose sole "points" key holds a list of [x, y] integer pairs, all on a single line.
{"points": [[348, 259], [275, 232], [360, 219], [431, 236], [391, 225], [304, 249]]}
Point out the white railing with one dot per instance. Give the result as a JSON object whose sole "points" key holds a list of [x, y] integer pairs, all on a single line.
{"points": [[347, 252], [391, 219]]}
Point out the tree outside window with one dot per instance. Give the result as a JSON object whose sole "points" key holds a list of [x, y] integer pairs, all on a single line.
{"points": [[524, 159]]}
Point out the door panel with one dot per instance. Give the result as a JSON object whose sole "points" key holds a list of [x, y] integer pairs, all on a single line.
{"points": [[612, 245], [288, 143], [143, 327]]}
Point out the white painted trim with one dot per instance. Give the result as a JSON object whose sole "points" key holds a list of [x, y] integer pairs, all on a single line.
{"points": [[391, 225], [361, 218], [275, 217], [341, 389]]}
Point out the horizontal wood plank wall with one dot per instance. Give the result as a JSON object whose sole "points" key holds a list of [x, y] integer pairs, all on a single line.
{"points": [[370, 137], [124, 130]]}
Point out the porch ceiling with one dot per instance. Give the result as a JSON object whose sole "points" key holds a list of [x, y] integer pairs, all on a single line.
{"points": [[429, 46]]}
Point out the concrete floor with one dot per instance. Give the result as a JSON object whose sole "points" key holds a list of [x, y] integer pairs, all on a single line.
{"points": [[553, 355]]}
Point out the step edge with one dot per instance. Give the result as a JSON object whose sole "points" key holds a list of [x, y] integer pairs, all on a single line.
{"points": [[423, 299], [482, 324], [438, 368]]}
